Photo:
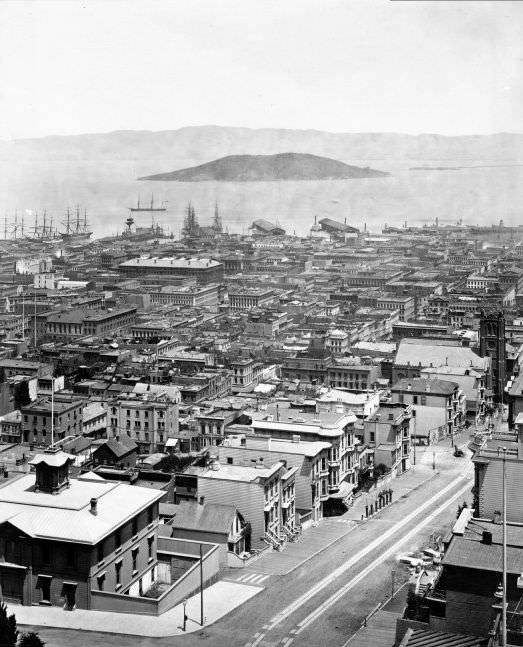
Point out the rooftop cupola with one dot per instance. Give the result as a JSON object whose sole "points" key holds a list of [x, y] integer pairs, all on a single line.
{"points": [[52, 471]]}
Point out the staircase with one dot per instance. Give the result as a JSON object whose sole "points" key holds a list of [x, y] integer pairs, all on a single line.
{"points": [[274, 540]]}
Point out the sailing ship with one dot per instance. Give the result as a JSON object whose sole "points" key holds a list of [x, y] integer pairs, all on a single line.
{"points": [[76, 228], [150, 207]]}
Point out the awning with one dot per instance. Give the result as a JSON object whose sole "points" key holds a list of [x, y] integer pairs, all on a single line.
{"points": [[12, 565], [343, 492], [171, 442]]}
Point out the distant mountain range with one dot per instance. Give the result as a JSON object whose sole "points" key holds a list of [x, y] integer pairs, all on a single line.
{"points": [[198, 144], [263, 168]]}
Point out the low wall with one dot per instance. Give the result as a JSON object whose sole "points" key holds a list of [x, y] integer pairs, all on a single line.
{"points": [[183, 588], [402, 624]]}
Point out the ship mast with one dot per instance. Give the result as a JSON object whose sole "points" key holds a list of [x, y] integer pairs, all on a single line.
{"points": [[35, 231], [68, 222]]}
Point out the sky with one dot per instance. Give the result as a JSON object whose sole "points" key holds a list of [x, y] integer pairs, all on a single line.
{"points": [[449, 67]]}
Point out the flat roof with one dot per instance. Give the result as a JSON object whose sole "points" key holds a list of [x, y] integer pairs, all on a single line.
{"points": [[240, 472]]}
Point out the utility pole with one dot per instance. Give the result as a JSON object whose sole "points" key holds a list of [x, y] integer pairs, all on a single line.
{"points": [[201, 584], [414, 443], [52, 410], [34, 321], [504, 553]]}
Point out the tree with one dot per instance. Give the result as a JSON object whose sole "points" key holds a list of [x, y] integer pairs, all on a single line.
{"points": [[8, 631], [31, 639], [172, 463]]}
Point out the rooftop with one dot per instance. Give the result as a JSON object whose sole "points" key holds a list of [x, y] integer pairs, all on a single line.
{"points": [[436, 352], [422, 385], [241, 473], [175, 263], [66, 516]]}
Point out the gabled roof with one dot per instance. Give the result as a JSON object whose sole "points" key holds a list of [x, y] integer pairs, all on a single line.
{"points": [[119, 448], [265, 225], [338, 226], [210, 517]]}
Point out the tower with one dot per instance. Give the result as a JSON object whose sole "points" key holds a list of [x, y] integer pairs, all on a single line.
{"points": [[217, 222], [492, 344]]}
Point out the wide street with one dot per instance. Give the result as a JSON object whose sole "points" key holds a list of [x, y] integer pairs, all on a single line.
{"points": [[326, 599]]}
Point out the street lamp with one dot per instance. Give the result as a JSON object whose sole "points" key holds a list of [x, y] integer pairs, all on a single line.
{"points": [[184, 602]]}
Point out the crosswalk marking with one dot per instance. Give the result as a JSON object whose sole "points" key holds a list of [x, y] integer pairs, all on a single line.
{"points": [[252, 578]]}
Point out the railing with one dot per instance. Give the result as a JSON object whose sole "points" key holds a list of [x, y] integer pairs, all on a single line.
{"points": [[274, 539]]}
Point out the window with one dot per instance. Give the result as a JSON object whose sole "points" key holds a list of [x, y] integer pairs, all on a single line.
{"points": [[118, 538], [423, 399], [118, 572], [135, 526], [150, 547], [372, 436], [150, 514], [101, 582], [134, 554], [100, 551], [414, 399], [229, 460]]}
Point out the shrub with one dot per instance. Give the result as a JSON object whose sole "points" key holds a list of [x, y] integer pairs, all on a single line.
{"points": [[31, 639], [8, 631]]}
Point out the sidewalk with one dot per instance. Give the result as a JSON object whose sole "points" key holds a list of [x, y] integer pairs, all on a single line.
{"points": [[401, 486], [219, 600], [311, 542], [380, 629]]}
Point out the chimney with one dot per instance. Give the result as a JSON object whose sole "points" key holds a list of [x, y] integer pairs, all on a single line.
{"points": [[94, 506]]}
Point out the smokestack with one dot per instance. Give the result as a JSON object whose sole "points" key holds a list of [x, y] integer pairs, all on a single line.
{"points": [[94, 506]]}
